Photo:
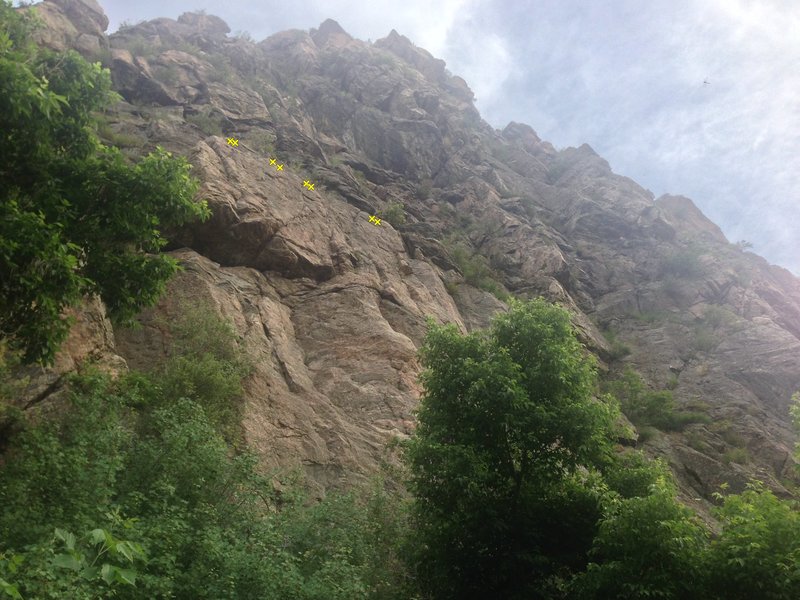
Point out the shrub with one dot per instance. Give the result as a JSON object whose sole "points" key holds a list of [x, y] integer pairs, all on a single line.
{"points": [[424, 188], [207, 121], [715, 316], [618, 349], [650, 408], [756, 554], [704, 339], [736, 455], [395, 213], [684, 263], [167, 73], [261, 141], [475, 268], [206, 364]]}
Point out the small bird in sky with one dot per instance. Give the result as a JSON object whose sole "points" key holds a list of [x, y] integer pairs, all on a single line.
{"points": [[706, 82]]}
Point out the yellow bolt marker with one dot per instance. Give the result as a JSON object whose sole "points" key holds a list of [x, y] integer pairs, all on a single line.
{"points": [[311, 187], [233, 142], [374, 219], [280, 167], [271, 161]]}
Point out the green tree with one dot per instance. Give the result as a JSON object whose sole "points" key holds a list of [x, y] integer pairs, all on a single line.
{"points": [[75, 218], [646, 547], [757, 555], [150, 446], [507, 418]]}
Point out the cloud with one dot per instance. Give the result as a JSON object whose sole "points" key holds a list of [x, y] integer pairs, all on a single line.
{"points": [[626, 77]]}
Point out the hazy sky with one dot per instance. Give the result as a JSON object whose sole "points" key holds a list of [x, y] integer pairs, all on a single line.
{"points": [[625, 76]]}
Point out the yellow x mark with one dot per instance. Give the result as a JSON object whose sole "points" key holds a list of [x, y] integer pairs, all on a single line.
{"points": [[271, 161], [279, 167], [233, 142]]}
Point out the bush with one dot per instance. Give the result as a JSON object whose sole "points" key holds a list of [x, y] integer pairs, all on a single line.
{"points": [[261, 141], [425, 188], [684, 263], [704, 340], [171, 506], [395, 213], [475, 269], [757, 553], [645, 407], [736, 455], [207, 121], [618, 349]]}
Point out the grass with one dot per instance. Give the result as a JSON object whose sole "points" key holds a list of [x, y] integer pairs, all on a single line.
{"points": [[140, 46], [724, 429], [646, 433], [424, 188], [716, 316], [736, 455], [650, 316], [696, 441], [115, 138]]}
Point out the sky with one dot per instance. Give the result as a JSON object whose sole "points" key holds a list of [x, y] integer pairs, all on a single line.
{"points": [[693, 97]]}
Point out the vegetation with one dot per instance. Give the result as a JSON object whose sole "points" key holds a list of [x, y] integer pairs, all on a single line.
{"points": [[207, 121], [143, 465], [501, 507], [685, 264], [75, 218], [649, 408], [484, 514], [140, 486], [395, 213], [261, 141], [618, 349], [475, 268]]}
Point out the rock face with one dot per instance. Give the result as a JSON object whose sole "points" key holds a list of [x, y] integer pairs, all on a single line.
{"points": [[333, 307], [78, 24]]}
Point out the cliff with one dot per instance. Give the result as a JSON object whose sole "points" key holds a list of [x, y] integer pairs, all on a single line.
{"points": [[332, 306]]}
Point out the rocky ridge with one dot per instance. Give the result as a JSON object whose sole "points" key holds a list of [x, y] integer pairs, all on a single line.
{"points": [[332, 308]]}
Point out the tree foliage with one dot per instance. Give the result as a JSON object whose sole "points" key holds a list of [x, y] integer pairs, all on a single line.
{"points": [[758, 553], [75, 218], [506, 420], [169, 509]]}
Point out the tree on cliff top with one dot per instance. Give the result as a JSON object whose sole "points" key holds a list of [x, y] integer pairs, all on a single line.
{"points": [[75, 218]]}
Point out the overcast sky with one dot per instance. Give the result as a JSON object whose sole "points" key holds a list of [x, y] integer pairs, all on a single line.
{"points": [[625, 76]]}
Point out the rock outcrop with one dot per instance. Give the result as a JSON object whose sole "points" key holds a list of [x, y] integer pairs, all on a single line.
{"points": [[333, 307]]}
